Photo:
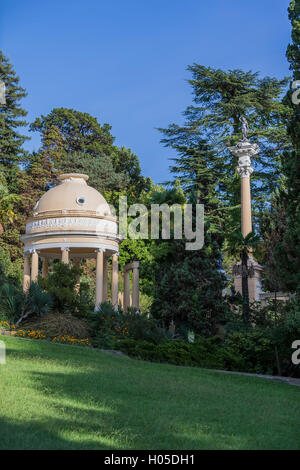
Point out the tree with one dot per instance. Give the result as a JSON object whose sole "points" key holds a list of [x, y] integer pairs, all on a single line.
{"points": [[189, 288], [189, 284], [102, 174], [127, 163], [11, 116], [80, 132], [286, 206], [75, 141], [212, 123]]}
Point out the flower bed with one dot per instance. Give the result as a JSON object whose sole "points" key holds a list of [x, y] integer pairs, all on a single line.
{"points": [[6, 328]]}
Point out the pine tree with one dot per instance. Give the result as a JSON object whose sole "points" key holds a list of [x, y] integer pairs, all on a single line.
{"points": [[11, 115]]}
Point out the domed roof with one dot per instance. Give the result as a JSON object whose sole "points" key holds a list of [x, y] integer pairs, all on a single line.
{"points": [[72, 194]]}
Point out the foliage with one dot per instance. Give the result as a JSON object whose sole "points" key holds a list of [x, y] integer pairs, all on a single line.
{"points": [[189, 288], [11, 116], [204, 352], [110, 326], [59, 324], [238, 245], [70, 340], [212, 124], [16, 306], [36, 302], [80, 131], [61, 284], [30, 334], [7, 204], [81, 144], [102, 175], [11, 302], [282, 233]]}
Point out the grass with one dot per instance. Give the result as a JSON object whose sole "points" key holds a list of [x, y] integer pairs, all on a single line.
{"points": [[63, 397]]}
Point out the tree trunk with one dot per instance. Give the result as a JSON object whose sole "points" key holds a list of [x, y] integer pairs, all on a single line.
{"points": [[245, 288], [276, 348]]}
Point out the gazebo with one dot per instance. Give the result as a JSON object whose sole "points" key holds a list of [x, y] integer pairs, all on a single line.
{"points": [[73, 221]]}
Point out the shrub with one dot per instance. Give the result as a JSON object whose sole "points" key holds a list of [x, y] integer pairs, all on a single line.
{"points": [[205, 352], [109, 326], [61, 284], [58, 324], [250, 351]]}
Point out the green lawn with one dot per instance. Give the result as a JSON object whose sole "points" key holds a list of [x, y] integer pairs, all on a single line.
{"points": [[63, 397]]}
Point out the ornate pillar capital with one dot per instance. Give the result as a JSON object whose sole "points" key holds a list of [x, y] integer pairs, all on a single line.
{"points": [[244, 171], [244, 150]]}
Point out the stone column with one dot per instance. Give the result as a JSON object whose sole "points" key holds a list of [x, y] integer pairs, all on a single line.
{"points": [[45, 268], [246, 216], [26, 278], [244, 150], [99, 278], [34, 266], [105, 279], [65, 255], [126, 297], [135, 285], [115, 281]]}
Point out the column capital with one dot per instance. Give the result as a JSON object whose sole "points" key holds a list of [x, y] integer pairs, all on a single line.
{"points": [[99, 250], [32, 251], [244, 150], [65, 248], [244, 171]]}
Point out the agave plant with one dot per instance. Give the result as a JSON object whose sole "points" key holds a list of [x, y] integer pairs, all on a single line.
{"points": [[11, 301], [35, 302]]}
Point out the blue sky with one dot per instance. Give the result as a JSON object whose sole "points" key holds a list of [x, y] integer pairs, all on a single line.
{"points": [[125, 61]]}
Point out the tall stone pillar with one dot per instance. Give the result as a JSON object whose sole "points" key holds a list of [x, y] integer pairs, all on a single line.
{"points": [[126, 290], [65, 255], [45, 268], [135, 285], [26, 278], [34, 266], [105, 280], [115, 281], [244, 150], [99, 278]]}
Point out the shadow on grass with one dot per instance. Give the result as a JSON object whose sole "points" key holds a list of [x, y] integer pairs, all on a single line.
{"points": [[88, 400]]}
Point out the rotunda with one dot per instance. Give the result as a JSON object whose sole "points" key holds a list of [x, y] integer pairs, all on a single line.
{"points": [[73, 221]]}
